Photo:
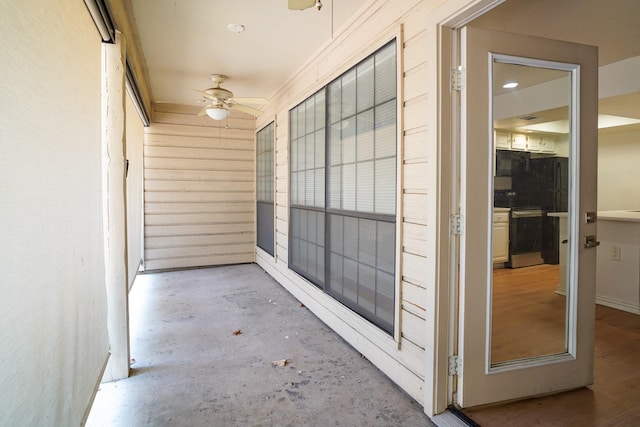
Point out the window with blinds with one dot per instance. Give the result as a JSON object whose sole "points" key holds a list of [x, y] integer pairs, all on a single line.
{"points": [[343, 187], [264, 188], [307, 217]]}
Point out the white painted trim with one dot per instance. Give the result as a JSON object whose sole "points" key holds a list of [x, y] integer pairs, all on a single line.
{"points": [[397, 332], [453, 14], [618, 304]]}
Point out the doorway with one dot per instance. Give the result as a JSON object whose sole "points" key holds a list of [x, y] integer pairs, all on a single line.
{"points": [[509, 16], [556, 80]]}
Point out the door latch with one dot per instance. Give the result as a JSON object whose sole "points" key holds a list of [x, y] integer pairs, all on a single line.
{"points": [[591, 242]]}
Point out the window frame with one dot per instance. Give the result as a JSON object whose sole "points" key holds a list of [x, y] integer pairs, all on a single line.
{"points": [[392, 327], [294, 205], [262, 204]]}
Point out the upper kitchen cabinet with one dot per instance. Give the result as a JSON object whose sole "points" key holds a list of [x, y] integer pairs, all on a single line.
{"points": [[502, 140], [518, 141], [547, 144], [535, 143]]}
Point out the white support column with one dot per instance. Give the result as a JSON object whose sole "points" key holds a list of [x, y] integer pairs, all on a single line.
{"points": [[115, 208]]}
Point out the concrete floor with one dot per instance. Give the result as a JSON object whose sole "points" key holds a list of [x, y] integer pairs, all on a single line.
{"points": [[191, 370]]}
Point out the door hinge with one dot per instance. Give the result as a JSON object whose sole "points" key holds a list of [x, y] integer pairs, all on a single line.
{"points": [[456, 224], [457, 78], [455, 365]]}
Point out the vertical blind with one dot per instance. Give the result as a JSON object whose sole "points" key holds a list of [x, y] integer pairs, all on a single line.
{"points": [[346, 217]]}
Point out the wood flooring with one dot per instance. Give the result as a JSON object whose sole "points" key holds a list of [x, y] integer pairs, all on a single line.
{"points": [[613, 399], [528, 317]]}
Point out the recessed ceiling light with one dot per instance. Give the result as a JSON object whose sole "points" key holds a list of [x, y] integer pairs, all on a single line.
{"points": [[236, 28], [510, 85]]}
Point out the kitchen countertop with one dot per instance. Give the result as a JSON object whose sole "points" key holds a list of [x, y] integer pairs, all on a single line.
{"points": [[630, 216], [496, 210]]}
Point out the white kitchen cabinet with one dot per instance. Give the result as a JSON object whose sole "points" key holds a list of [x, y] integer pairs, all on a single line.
{"points": [[547, 144], [502, 140], [533, 142], [518, 141], [500, 235]]}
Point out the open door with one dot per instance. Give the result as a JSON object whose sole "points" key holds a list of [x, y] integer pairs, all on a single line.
{"points": [[528, 190]]}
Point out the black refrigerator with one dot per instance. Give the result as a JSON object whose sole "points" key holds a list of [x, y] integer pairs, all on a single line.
{"points": [[550, 190]]}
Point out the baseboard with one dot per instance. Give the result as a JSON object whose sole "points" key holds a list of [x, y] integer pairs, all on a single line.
{"points": [[618, 304]]}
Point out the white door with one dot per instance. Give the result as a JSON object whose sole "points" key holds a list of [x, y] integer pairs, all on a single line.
{"points": [[526, 329]]}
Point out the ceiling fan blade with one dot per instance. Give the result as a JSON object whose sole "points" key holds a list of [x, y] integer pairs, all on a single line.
{"points": [[245, 109], [254, 101], [206, 95], [301, 4], [195, 101]]}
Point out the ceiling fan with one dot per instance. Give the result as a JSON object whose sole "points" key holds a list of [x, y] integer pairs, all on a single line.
{"points": [[220, 100], [304, 4]]}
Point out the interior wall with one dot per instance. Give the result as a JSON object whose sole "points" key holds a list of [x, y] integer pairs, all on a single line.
{"points": [[134, 144], [53, 325], [618, 171], [199, 199]]}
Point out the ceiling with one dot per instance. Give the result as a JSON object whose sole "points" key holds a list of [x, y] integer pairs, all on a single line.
{"points": [[184, 41], [612, 25]]}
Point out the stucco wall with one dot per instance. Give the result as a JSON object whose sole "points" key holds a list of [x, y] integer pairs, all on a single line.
{"points": [[53, 325]]}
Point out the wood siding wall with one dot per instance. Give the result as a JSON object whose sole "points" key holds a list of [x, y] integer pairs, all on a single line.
{"points": [[401, 357], [199, 197]]}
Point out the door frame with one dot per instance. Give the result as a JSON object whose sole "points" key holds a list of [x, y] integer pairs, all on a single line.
{"points": [[443, 23]]}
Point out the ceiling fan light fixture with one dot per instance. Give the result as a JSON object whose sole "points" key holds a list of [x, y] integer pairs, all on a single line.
{"points": [[217, 113]]}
